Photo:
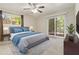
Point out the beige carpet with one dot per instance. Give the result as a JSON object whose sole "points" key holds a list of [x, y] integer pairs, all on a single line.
{"points": [[54, 46]]}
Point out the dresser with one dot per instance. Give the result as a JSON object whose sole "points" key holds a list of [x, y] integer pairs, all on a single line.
{"points": [[71, 48]]}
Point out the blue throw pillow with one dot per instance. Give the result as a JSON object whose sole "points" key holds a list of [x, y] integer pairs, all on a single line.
{"points": [[11, 29], [25, 28], [16, 30]]}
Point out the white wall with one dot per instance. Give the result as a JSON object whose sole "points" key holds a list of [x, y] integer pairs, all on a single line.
{"points": [[42, 24], [29, 21], [43, 21]]}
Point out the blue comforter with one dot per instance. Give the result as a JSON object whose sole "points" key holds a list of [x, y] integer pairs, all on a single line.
{"points": [[16, 39]]}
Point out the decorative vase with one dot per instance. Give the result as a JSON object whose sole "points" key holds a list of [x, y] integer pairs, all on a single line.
{"points": [[71, 37]]}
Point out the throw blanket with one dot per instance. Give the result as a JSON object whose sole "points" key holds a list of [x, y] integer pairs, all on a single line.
{"points": [[17, 38]]}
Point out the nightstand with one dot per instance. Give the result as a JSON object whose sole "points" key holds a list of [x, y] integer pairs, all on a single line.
{"points": [[6, 36]]}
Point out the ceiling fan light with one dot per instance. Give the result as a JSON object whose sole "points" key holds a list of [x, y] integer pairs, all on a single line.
{"points": [[34, 10]]}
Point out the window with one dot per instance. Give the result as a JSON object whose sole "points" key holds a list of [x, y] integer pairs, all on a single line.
{"points": [[11, 19]]}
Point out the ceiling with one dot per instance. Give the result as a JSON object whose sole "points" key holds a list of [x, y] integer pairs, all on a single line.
{"points": [[49, 7]]}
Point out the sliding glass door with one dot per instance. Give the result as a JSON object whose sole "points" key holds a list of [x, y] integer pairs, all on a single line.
{"points": [[56, 26], [60, 26]]}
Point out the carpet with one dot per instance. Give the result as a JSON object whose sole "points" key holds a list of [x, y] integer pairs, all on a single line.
{"points": [[53, 46]]}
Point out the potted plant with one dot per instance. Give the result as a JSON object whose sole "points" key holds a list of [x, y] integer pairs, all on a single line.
{"points": [[71, 31]]}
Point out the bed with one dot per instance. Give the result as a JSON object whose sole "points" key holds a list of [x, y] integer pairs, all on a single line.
{"points": [[25, 39]]}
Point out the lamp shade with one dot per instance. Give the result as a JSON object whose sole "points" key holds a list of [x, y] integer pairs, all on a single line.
{"points": [[31, 27]]}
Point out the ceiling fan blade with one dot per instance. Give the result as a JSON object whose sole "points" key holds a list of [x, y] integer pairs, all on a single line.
{"points": [[41, 7], [33, 5], [30, 4], [39, 11]]}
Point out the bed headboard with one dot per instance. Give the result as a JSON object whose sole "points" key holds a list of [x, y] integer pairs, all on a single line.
{"points": [[18, 29]]}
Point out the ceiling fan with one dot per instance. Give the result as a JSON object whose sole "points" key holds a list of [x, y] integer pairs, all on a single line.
{"points": [[34, 8]]}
